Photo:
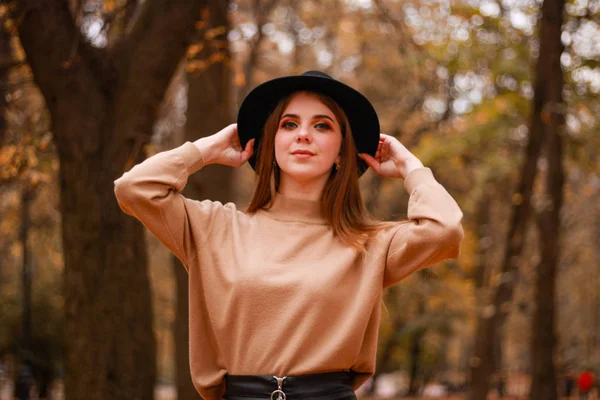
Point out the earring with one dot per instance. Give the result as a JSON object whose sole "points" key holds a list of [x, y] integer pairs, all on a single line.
{"points": [[337, 164]]}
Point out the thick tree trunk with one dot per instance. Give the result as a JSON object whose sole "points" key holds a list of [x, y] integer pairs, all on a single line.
{"points": [[543, 385], [102, 103], [208, 111], [544, 105], [111, 346]]}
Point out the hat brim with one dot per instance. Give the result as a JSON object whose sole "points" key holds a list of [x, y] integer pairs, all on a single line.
{"points": [[261, 101]]}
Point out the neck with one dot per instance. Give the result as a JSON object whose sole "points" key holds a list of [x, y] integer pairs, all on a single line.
{"points": [[296, 209], [311, 189]]}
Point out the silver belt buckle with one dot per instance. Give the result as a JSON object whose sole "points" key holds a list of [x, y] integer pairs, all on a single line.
{"points": [[280, 393]]}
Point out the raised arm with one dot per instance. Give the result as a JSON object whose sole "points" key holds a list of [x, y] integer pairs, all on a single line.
{"points": [[150, 191], [432, 233]]}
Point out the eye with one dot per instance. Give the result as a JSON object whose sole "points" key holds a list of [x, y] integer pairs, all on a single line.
{"points": [[323, 125], [289, 125]]}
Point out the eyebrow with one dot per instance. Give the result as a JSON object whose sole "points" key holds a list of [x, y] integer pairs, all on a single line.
{"points": [[314, 116]]}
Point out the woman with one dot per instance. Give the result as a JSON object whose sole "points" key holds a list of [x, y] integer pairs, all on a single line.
{"points": [[285, 296]]}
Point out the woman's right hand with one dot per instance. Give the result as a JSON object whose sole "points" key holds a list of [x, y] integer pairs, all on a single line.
{"points": [[224, 148]]}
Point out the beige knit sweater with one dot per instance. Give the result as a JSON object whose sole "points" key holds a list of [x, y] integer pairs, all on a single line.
{"points": [[275, 292]]}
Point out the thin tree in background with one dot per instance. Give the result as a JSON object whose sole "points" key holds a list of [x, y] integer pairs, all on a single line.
{"points": [[484, 360], [103, 102], [261, 9], [549, 106], [5, 64]]}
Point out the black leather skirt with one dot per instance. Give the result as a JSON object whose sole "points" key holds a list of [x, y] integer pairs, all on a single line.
{"points": [[324, 386]]}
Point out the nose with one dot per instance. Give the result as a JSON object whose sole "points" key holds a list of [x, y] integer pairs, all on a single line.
{"points": [[303, 136]]}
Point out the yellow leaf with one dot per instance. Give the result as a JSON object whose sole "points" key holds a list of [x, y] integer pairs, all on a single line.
{"points": [[212, 33], [194, 49]]}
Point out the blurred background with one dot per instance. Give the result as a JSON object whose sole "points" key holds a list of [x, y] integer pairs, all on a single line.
{"points": [[499, 98]]}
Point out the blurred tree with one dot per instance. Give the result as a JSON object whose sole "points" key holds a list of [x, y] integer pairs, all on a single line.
{"points": [[548, 100], [415, 351], [545, 108], [261, 9], [102, 99], [5, 64], [209, 106], [23, 171], [24, 381]]}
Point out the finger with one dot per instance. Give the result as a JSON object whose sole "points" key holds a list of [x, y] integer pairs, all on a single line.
{"points": [[384, 156], [248, 151], [372, 162], [250, 147], [387, 150], [236, 143]]}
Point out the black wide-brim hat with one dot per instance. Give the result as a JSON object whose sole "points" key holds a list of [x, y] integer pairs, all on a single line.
{"points": [[262, 100]]}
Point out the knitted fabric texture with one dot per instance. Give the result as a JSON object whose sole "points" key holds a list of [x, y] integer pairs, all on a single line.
{"points": [[275, 292]]}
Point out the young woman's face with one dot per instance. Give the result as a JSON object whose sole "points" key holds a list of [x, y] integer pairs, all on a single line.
{"points": [[308, 139]]}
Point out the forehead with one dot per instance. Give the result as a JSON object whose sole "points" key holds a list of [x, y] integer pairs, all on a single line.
{"points": [[306, 104]]}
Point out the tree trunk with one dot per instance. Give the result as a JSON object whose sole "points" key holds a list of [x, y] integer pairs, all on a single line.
{"points": [[208, 111], [261, 11], [490, 325], [102, 103], [183, 380], [415, 356], [415, 350], [5, 64], [596, 302], [111, 346], [543, 385], [386, 347], [24, 381]]}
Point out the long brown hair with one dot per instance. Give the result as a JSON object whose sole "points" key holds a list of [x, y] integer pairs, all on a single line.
{"points": [[341, 201]]}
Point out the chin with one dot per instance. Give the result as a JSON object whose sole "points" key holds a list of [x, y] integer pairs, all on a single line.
{"points": [[305, 173]]}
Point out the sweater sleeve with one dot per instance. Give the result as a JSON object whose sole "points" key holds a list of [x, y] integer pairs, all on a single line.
{"points": [[150, 192], [432, 233]]}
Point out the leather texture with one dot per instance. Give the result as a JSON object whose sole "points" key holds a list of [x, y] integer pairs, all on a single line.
{"points": [[335, 385]]}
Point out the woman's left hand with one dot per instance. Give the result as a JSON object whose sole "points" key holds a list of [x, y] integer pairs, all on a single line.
{"points": [[392, 159]]}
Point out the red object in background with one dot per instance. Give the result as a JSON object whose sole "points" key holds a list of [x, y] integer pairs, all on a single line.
{"points": [[585, 381]]}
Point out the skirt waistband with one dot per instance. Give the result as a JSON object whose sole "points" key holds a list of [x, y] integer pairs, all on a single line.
{"points": [[335, 385]]}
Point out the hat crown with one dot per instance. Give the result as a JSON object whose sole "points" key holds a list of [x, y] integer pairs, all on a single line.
{"points": [[317, 74]]}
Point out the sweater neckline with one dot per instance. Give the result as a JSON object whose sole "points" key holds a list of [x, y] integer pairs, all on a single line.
{"points": [[284, 208]]}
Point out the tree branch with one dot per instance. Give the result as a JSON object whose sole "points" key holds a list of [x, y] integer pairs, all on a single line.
{"points": [[58, 49], [149, 55]]}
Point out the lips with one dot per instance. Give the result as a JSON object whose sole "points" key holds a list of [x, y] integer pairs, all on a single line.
{"points": [[303, 152]]}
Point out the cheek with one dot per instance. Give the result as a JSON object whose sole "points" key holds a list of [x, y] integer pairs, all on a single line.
{"points": [[332, 145], [282, 143]]}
